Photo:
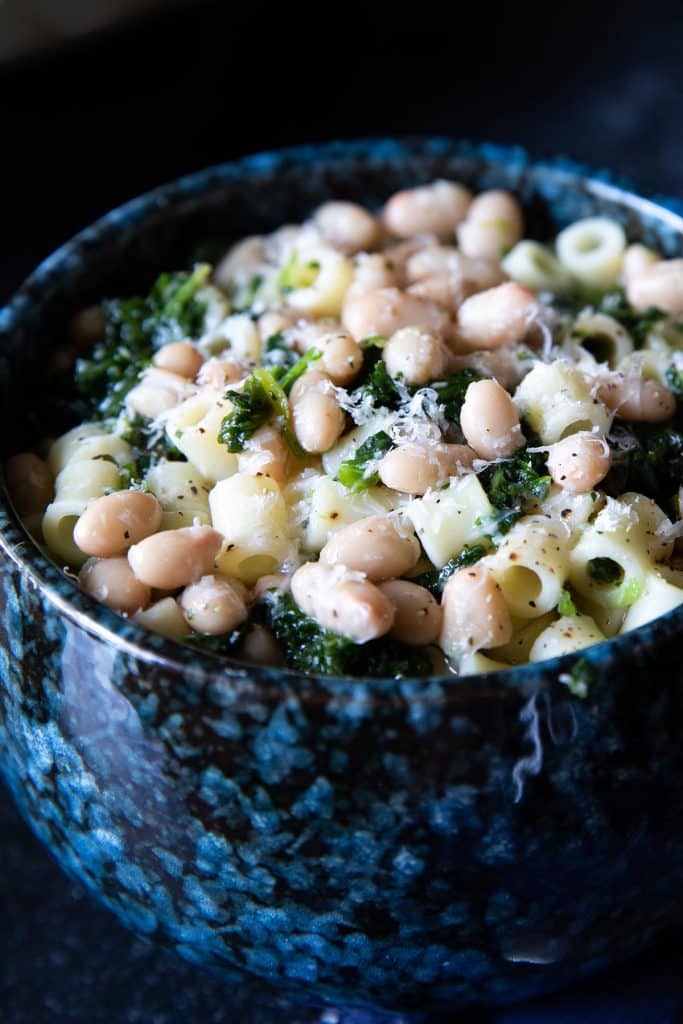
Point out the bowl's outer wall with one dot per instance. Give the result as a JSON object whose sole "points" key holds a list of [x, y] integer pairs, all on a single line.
{"points": [[414, 844]]}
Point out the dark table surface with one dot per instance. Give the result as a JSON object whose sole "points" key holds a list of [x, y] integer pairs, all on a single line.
{"points": [[91, 126]]}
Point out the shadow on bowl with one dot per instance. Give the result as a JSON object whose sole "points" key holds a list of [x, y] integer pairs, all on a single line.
{"points": [[413, 845]]}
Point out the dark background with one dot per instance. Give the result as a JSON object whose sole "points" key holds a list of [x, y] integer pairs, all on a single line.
{"points": [[92, 123]]}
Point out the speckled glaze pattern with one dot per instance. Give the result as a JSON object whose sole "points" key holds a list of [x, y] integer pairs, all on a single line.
{"points": [[407, 846]]}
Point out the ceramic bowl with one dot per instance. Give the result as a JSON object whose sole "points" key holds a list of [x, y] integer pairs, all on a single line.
{"points": [[417, 845]]}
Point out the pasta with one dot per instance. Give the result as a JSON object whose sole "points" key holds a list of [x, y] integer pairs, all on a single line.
{"points": [[397, 443]]}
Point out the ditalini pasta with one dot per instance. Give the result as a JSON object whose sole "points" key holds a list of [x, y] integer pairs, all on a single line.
{"points": [[393, 443]]}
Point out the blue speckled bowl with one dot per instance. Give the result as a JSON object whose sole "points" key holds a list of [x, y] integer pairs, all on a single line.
{"points": [[414, 845]]}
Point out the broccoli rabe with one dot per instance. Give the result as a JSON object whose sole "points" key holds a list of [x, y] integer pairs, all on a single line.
{"points": [[580, 678], [134, 328], [278, 353], [513, 484], [308, 647], [150, 444], [360, 472], [647, 458], [565, 605], [436, 580]]}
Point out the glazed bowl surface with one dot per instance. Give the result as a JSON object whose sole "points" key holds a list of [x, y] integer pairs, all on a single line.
{"points": [[413, 845]]}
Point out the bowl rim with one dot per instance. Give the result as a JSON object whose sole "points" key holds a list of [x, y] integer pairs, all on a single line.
{"points": [[84, 611]]}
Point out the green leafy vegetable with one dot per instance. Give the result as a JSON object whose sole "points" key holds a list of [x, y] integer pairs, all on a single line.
{"points": [[580, 679], [629, 592], [648, 459], [674, 379], [150, 445], [380, 387], [225, 644], [436, 580], [565, 605], [308, 647], [244, 295], [511, 485], [359, 473], [278, 353], [299, 368], [134, 328], [262, 401], [637, 323], [605, 570]]}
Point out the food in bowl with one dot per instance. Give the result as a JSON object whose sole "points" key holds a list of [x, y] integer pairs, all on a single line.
{"points": [[395, 444]]}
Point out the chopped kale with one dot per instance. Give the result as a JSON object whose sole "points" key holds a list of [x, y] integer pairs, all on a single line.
{"points": [[580, 678], [150, 444], [647, 458], [451, 392], [637, 323], [565, 605], [605, 570], [134, 328], [262, 401], [511, 485], [278, 353], [360, 472], [225, 644], [307, 647], [436, 580]]}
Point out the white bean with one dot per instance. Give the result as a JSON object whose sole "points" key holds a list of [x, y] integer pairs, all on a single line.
{"points": [[635, 399], [158, 391], [414, 468], [242, 259], [281, 581], [375, 546], [372, 271], [494, 224], [579, 462], [266, 453], [415, 354], [273, 321], [342, 602], [316, 415], [29, 482], [436, 208], [637, 258], [175, 558], [475, 615], [113, 523], [499, 316], [347, 226], [218, 372], [448, 290], [660, 285], [418, 615], [434, 260], [213, 605], [112, 581], [490, 421], [385, 311], [179, 357], [342, 356]]}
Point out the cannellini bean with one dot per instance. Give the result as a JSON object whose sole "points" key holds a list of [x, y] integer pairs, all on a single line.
{"points": [[158, 391], [660, 285], [414, 468], [416, 354], [317, 417], [448, 290], [273, 321], [179, 357], [494, 224], [386, 310], [29, 482], [261, 647], [213, 605], [266, 453], [579, 462], [112, 581], [347, 226], [499, 316], [87, 327], [242, 259], [372, 271], [113, 523], [418, 615], [218, 372], [436, 208], [271, 581], [342, 356], [636, 399], [376, 546], [636, 259], [342, 601], [475, 615], [175, 558], [490, 421], [435, 260]]}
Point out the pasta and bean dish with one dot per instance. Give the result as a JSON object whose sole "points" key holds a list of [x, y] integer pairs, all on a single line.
{"points": [[402, 443]]}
